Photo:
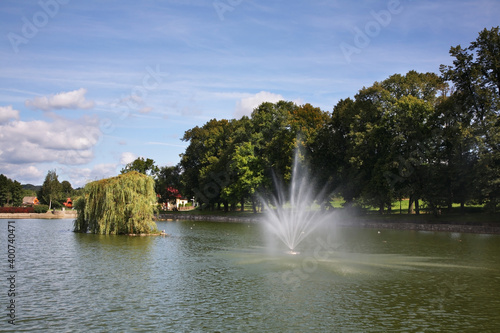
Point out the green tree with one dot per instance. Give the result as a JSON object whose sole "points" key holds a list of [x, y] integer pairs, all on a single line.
{"points": [[413, 128], [120, 205], [374, 147], [51, 189], [168, 183], [331, 151], [66, 189], [274, 140], [238, 153], [248, 176], [228, 161], [371, 142], [475, 75], [11, 192], [5, 193], [144, 166], [205, 163], [17, 193]]}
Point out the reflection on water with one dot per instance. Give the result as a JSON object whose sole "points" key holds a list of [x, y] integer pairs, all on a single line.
{"points": [[219, 277]]}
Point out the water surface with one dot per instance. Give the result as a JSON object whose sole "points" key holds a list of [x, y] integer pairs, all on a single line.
{"points": [[221, 277]]}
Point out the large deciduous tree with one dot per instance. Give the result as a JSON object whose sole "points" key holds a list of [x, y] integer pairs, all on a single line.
{"points": [[144, 166], [376, 145], [120, 205], [205, 163], [475, 75]]}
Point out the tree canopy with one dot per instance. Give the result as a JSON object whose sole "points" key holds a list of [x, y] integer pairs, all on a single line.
{"points": [[51, 189], [420, 136], [144, 166], [11, 192], [119, 205]]}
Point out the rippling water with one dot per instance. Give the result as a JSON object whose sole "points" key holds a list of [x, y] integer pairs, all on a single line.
{"points": [[219, 277]]}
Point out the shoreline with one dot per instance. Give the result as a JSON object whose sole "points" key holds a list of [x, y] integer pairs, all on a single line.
{"points": [[49, 215], [354, 222], [349, 221]]}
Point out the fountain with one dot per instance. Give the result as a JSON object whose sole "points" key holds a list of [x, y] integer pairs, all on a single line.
{"points": [[289, 215]]}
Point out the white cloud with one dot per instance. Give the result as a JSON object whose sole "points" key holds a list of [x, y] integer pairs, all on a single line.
{"points": [[65, 100], [245, 106], [26, 174], [68, 142], [7, 113], [127, 158]]}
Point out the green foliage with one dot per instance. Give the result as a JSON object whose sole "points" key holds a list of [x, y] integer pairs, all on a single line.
{"points": [[475, 75], [41, 208], [419, 136], [248, 175], [228, 161], [168, 183], [141, 165], [11, 192], [66, 190], [51, 189], [205, 162], [120, 205]]}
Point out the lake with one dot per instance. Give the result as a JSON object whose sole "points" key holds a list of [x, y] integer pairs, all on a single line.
{"points": [[222, 277]]}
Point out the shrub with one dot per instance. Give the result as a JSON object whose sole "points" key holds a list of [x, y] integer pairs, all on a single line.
{"points": [[16, 210], [41, 208]]}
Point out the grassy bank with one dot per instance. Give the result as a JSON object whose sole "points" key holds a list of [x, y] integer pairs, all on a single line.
{"points": [[470, 217]]}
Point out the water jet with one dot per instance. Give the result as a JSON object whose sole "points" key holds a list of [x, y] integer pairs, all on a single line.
{"points": [[290, 214]]}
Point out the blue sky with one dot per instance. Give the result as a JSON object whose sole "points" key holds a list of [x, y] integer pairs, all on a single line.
{"points": [[88, 86]]}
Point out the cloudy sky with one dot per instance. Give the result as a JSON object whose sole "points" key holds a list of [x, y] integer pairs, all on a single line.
{"points": [[88, 86]]}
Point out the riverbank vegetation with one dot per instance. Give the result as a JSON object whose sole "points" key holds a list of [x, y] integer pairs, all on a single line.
{"points": [[51, 195]]}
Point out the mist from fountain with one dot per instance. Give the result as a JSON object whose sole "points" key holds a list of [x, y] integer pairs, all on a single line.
{"points": [[289, 214]]}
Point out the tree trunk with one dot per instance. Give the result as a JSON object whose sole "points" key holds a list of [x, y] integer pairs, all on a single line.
{"points": [[381, 208], [410, 205], [417, 207], [242, 203]]}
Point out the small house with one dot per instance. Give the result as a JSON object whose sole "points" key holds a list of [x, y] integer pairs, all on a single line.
{"points": [[30, 201]]}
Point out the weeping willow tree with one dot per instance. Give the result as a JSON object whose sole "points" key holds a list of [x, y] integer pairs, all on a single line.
{"points": [[119, 205]]}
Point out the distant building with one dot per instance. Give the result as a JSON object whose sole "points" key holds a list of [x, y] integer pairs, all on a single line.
{"points": [[181, 202], [30, 201], [176, 201]]}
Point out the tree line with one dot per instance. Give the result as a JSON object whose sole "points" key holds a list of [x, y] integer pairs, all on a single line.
{"points": [[421, 136], [11, 192], [52, 193]]}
